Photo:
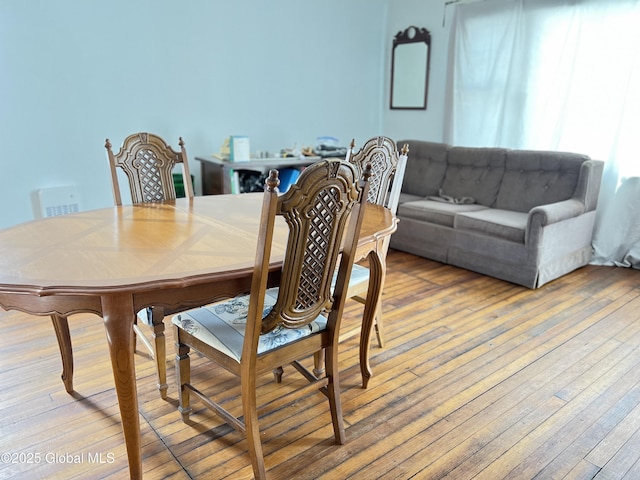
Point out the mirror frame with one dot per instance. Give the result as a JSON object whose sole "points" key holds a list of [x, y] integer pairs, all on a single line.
{"points": [[410, 35]]}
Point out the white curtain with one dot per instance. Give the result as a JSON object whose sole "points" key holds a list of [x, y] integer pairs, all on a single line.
{"points": [[556, 75]]}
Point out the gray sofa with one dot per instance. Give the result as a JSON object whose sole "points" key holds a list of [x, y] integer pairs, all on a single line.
{"points": [[522, 216]]}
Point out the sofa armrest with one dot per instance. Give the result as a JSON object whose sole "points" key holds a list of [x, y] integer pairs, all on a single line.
{"points": [[555, 212], [588, 186], [544, 215]]}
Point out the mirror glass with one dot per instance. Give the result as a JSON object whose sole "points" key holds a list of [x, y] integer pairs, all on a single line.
{"points": [[410, 69]]}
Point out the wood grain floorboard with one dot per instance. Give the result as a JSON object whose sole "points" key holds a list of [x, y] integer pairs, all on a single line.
{"points": [[478, 379]]}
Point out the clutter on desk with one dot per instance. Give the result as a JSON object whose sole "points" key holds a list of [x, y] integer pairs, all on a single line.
{"points": [[253, 181], [328, 147], [236, 148]]}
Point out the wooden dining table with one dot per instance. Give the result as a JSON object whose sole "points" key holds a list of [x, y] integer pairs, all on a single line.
{"points": [[113, 262]]}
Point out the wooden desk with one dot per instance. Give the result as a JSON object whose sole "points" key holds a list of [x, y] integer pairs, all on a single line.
{"points": [[217, 173], [115, 261]]}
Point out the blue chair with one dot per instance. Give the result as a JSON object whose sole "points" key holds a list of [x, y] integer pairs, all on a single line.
{"points": [[287, 176]]}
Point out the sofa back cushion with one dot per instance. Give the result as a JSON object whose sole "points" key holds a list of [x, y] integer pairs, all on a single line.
{"points": [[426, 165], [535, 178], [474, 172]]}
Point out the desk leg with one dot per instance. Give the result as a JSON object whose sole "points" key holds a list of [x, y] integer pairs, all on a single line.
{"points": [[118, 314], [61, 326], [377, 270]]}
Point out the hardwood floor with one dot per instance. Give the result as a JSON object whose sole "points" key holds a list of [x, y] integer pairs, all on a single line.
{"points": [[478, 379]]}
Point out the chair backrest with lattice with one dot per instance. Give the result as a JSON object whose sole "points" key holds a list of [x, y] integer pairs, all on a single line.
{"points": [[387, 169], [148, 162], [323, 210]]}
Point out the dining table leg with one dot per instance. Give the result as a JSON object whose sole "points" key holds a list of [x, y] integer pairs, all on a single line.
{"points": [[118, 314], [61, 327], [377, 270]]}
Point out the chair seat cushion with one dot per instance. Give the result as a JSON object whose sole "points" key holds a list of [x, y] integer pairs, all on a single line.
{"points": [[222, 325]]}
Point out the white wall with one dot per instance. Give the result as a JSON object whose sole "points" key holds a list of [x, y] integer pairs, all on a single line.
{"points": [[419, 124], [73, 72]]}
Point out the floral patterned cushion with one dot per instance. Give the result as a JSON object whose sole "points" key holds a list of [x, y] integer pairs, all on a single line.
{"points": [[222, 325]]}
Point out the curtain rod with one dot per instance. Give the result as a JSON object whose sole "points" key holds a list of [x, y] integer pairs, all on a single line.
{"points": [[453, 2]]}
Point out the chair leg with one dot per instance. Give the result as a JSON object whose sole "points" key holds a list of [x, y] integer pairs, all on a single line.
{"points": [[160, 349], [183, 375], [371, 309], [277, 374], [318, 367], [377, 320], [61, 327], [333, 390], [378, 326], [249, 407], [319, 363], [319, 360]]}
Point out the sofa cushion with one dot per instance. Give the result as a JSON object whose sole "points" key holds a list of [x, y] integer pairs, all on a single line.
{"points": [[435, 212], [493, 222], [425, 169], [535, 178], [475, 173], [407, 197]]}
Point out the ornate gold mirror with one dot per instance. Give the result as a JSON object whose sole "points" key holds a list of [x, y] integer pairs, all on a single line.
{"points": [[410, 69]]}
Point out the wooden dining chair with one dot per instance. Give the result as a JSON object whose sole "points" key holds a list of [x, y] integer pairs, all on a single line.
{"points": [[252, 334], [387, 173], [148, 162]]}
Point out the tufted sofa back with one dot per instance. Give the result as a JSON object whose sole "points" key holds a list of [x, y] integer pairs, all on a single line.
{"points": [[534, 178], [507, 179]]}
